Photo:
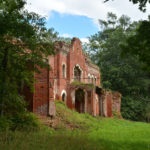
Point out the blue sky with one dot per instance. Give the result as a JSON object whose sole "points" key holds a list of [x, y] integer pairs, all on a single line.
{"points": [[72, 25], [79, 18]]}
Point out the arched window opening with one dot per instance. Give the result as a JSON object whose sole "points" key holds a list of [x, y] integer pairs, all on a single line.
{"points": [[64, 71], [63, 97], [77, 73], [95, 81]]}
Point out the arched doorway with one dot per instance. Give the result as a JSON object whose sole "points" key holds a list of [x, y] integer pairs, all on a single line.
{"points": [[63, 97], [80, 100]]}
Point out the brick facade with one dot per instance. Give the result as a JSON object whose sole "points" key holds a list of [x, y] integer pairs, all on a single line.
{"points": [[74, 79]]}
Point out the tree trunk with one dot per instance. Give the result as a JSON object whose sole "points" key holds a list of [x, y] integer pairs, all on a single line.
{"points": [[4, 66]]}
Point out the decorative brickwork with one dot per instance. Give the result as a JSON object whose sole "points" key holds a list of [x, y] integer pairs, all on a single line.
{"points": [[74, 79]]}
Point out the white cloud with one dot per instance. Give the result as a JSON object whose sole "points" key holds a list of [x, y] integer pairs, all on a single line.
{"points": [[84, 40], [66, 35], [94, 9]]}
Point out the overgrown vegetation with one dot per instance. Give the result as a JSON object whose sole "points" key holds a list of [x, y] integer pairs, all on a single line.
{"points": [[23, 122], [25, 44], [76, 131], [82, 85], [142, 3], [123, 73]]}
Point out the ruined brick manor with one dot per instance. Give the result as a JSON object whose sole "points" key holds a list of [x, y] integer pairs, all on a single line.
{"points": [[74, 79]]}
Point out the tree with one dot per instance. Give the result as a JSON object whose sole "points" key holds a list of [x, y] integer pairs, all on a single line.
{"points": [[123, 74], [65, 39], [24, 45], [139, 44], [142, 3]]}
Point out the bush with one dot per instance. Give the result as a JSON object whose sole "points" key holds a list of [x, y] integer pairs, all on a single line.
{"points": [[5, 124], [25, 121]]}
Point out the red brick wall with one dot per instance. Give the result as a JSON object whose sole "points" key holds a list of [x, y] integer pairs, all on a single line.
{"points": [[97, 105], [40, 98], [116, 103], [109, 104], [76, 57], [69, 102], [51, 77], [62, 80], [50, 84], [112, 101]]}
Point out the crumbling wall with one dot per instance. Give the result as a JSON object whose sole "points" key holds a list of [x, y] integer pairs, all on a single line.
{"points": [[107, 103], [40, 96], [116, 105], [111, 103], [52, 84]]}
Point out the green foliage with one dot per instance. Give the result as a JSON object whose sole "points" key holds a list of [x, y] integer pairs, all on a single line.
{"points": [[142, 3], [85, 132], [24, 122], [83, 85], [65, 39], [25, 44], [133, 108], [121, 73], [139, 44], [147, 112], [71, 119], [21, 121], [5, 124]]}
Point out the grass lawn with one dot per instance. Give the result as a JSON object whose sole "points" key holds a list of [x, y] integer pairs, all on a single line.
{"points": [[74, 131]]}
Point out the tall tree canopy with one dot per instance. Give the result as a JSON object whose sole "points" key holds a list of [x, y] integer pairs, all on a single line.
{"points": [[139, 44], [119, 73], [142, 3], [24, 42]]}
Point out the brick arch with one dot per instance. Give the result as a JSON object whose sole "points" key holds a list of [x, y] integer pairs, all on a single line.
{"points": [[64, 93], [64, 70], [84, 102], [80, 69]]}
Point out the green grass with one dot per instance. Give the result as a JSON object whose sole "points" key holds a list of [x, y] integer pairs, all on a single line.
{"points": [[76, 131]]}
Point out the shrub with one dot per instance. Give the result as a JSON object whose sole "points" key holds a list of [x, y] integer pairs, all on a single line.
{"points": [[5, 124], [25, 121]]}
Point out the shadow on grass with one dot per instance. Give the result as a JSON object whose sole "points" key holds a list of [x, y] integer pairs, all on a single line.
{"points": [[124, 145], [69, 141]]}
